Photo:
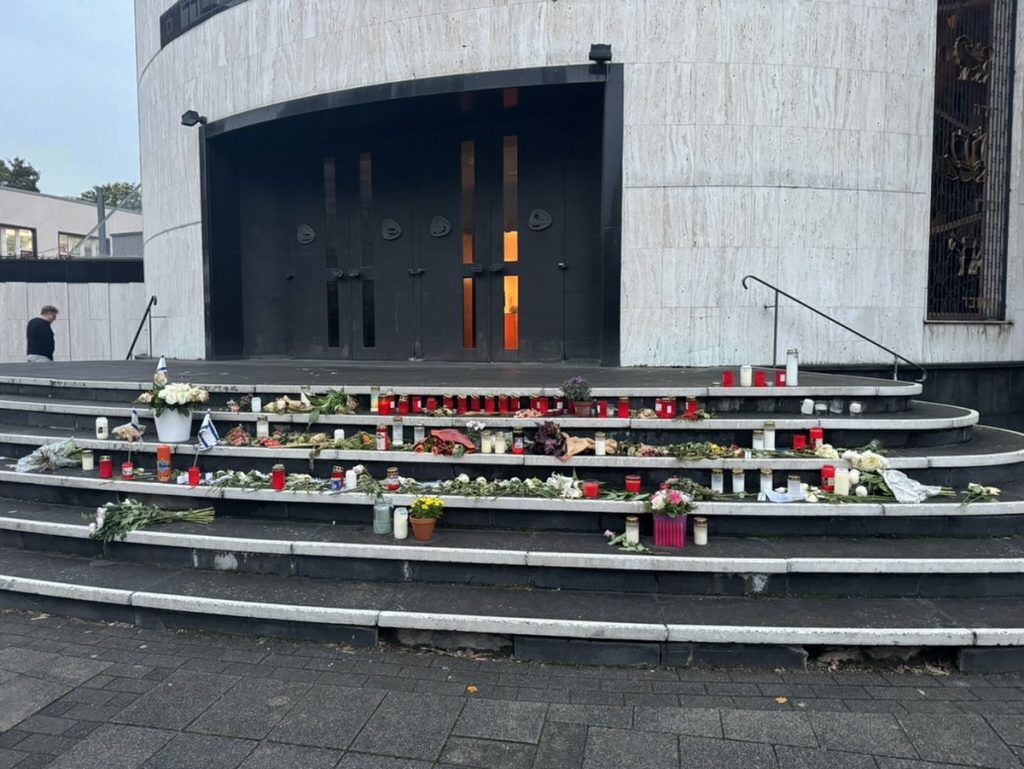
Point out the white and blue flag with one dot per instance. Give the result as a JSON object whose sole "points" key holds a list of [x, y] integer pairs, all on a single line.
{"points": [[135, 421], [207, 435], [160, 377]]}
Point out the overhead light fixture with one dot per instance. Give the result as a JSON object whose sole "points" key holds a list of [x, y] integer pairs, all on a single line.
{"points": [[191, 118], [600, 53]]}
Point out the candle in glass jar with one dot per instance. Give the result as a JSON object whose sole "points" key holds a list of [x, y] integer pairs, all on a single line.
{"points": [[746, 376], [384, 405], [351, 480], [87, 461], [106, 467], [431, 403], [397, 432], [602, 409], [728, 378], [739, 481], [632, 529], [828, 478], [691, 408], [518, 441], [820, 408], [600, 444], [807, 406], [766, 480], [277, 477], [382, 437], [817, 437], [255, 404], [392, 482], [700, 530], [502, 404], [337, 478], [401, 523], [474, 403], [195, 475], [102, 428], [591, 489], [633, 484], [799, 442], [416, 402], [769, 435], [500, 443], [403, 404], [339, 434], [374, 400], [792, 367], [419, 432], [780, 378], [623, 408], [486, 442], [759, 379], [757, 442], [262, 427], [463, 404], [856, 408], [717, 481], [127, 470], [842, 482], [793, 486]]}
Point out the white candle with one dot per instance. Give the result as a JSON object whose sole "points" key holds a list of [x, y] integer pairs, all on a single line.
{"points": [[256, 404], [401, 523], [632, 529], [374, 399], [793, 487], [419, 432], [717, 482], [88, 463], [600, 444], [486, 442], [757, 442], [769, 436], [842, 488], [792, 367], [500, 443], [700, 530], [397, 432], [262, 427], [746, 376], [339, 435], [739, 484], [101, 428], [766, 480], [350, 480], [856, 408], [807, 406]]}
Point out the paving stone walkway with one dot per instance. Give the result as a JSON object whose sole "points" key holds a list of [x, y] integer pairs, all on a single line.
{"points": [[84, 695]]}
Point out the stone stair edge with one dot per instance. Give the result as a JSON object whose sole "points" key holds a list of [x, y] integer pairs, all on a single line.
{"points": [[398, 458], [907, 564], [948, 635], [602, 506]]}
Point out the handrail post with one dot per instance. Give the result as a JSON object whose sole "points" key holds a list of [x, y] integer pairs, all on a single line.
{"points": [[145, 316], [775, 332]]}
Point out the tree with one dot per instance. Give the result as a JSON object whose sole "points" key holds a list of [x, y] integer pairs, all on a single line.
{"points": [[116, 195], [18, 173]]}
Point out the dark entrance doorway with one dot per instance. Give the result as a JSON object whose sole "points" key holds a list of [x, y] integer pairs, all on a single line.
{"points": [[456, 227]]}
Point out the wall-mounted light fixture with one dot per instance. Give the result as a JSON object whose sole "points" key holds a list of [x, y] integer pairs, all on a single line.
{"points": [[600, 53], [191, 118]]}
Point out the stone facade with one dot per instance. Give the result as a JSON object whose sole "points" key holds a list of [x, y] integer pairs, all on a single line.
{"points": [[787, 139]]}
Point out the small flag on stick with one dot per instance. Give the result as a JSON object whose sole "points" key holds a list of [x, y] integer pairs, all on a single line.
{"points": [[207, 435], [160, 377]]}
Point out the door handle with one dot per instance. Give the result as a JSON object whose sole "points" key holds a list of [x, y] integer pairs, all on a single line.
{"points": [[476, 268], [416, 271], [497, 268], [338, 274], [353, 272], [562, 266]]}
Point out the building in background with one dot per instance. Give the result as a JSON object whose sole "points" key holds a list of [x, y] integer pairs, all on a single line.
{"points": [[49, 254], [461, 181]]}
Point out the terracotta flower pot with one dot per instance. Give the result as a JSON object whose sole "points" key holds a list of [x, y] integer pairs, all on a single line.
{"points": [[423, 528], [583, 408]]}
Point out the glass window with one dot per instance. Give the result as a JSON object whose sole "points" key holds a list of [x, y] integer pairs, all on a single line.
{"points": [[69, 244], [17, 242]]}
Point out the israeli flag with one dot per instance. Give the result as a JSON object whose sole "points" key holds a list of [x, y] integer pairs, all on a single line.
{"points": [[207, 435], [135, 421], [160, 377]]}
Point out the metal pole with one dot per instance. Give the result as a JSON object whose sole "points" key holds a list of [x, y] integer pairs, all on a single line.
{"points": [[775, 333], [102, 216]]}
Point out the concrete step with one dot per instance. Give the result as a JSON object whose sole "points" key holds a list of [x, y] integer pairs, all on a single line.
{"points": [[788, 566], [626, 628]]}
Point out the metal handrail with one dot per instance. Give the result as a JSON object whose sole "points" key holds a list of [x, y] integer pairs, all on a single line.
{"points": [[149, 306], [775, 334]]}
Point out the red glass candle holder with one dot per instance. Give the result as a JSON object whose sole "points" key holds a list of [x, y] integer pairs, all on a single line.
{"points": [[416, 404], [431, 404], [502, 404], [633, 484], [106, 467], [591, 489], [622, 410], [780, 378], [194, 476], [449, 401], [669, 532], [542, 404], [474, 403], [728, 378], [691, 408], [602, 409], [277, 477], [828, 478], [817, 436], [759, 379], [490, 404], [403, 404], [463, 404], [384, 405], [127, 470], [669, 408], [799, 442]]}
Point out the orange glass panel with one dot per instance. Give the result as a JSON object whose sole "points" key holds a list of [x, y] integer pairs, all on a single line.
{"points": [[511, 246], [468, 313], [510, 97], [511, 312], [510, 197], [468, 212]]}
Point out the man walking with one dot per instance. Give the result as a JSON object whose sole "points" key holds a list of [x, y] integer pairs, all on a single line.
{"points": [[40, 335]]}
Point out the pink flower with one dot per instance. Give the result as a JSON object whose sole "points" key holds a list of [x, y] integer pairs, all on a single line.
{"points": [[608, 533], [675, 497]]}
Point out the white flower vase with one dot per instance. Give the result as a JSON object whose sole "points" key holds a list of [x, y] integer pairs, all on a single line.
{"points": [[172, 427]]}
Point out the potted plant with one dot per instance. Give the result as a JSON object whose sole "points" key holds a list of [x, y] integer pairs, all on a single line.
{"points": [[172, 406], [577, 392], [423, 515], [670, 506]]}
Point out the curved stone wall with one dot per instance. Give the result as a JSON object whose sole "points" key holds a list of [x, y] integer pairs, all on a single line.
{"points": [[788, 139]]}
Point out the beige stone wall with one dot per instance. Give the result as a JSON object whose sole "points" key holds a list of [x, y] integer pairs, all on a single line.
{"points": [[789, 139]]}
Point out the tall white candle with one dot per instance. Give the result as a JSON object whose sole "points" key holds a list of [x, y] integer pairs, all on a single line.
{"points": [[401, 523], [746, 376], [101, 428], [842, 482], [256, 404], [700, 530], [350, 480], [792, 367]]}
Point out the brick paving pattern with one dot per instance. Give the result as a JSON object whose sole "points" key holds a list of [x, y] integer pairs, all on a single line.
{"points": [[84, 695]]}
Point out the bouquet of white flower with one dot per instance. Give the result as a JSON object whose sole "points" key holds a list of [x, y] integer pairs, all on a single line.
{"points": [[177, 396]]}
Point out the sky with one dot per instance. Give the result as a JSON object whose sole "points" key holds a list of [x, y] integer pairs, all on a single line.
{"points": [[67, 79]]}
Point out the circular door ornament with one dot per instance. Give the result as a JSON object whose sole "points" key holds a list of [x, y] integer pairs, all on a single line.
{"points": [[390, 229], [539, 220], [305, 234], [439, 227]]}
